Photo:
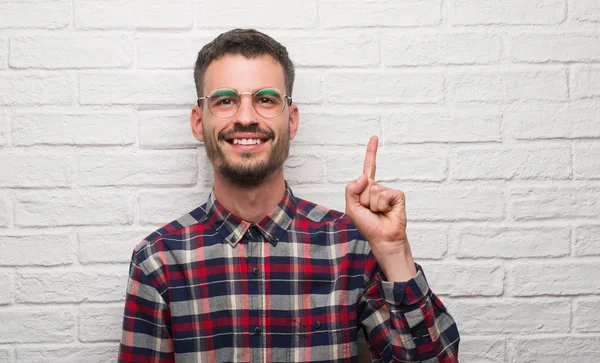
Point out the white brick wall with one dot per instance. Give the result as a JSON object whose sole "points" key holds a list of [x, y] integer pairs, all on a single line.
{"points": [[488, 118]]}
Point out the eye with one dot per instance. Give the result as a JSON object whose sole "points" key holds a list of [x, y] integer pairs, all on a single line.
{"points": [[224, 101], [266, 100]]}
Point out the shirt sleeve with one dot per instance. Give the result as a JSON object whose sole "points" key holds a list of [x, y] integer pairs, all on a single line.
{"points": [[406, 321], [146, 337]]}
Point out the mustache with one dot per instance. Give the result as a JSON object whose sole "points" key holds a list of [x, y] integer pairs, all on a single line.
{"points": [[254, 129]]}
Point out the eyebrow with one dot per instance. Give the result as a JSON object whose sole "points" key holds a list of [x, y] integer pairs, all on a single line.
{"points": [[268, 91], [224, 92], [230, 91]]}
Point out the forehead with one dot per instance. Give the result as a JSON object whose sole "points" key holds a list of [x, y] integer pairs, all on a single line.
{"points": [[244, 74]]}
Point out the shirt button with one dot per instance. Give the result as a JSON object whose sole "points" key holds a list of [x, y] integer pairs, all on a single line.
{"points": [[256, 271], [317, 324], [257, 330]]}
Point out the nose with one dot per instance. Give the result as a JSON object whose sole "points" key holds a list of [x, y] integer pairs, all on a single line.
{"points": [[246, 114]]}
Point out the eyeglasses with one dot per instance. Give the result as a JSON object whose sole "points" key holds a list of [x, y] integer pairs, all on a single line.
{"points": [[225, 102]]}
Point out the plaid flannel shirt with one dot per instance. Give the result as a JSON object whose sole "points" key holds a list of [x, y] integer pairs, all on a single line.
{"points": [[298, 286]]}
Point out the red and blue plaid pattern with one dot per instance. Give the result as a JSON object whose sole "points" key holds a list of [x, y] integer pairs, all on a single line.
{"points": [[296, 287]]}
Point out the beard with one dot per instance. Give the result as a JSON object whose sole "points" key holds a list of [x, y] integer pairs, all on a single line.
{"points": [[249, 172]]}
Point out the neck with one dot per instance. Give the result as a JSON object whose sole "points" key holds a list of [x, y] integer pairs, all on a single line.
{"points": [[250, 203]]}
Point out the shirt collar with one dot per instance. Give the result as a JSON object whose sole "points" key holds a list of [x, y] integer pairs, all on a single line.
{"points": [[272, 226]]}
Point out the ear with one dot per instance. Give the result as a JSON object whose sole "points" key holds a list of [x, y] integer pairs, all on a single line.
{"points": [[294, 120], [196, 123]]}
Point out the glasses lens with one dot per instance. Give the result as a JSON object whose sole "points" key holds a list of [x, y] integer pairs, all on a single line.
{"points": [[268, 102], [224, 103]]}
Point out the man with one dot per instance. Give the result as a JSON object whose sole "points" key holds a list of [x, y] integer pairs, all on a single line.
{"points": [[259, 275]]}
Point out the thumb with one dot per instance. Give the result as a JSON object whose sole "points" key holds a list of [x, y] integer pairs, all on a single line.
{"points": [[354, 189]]}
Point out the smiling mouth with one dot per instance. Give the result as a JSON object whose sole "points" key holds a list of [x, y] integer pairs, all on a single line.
{"points": [[246, 141], [237, 139]]}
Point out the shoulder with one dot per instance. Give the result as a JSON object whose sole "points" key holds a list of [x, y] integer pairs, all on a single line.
{"points": [[318, 213], [175, 230], [329, 227], [318, 216]]}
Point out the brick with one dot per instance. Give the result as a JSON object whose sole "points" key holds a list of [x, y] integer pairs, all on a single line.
{"points": [[509, 12], [585, 318], [96, 353], [5, 214], [553, 278], [552, 123], [35, 170], [38, 249], [482, 350], [512, 316], [6, 355], [161, 207], [551, 47], [123, 14], [91, 285], [427, 242], [170, 51], [465, 279], [564, 349], [436, 49], [383, 87], [586, 163], [350, 128], [166, 129], [469, 163], [259, 13], [5, 132], [529, 203], [101, 246], [3, 52], [47, 14], [142, 168], [392, 164], [585, 11], [18, 89], [7, 286], [587, 240], [308, 87], [585, 81], [327, 49], [137, 87], [36, 325], [303, 169], [73, 128], [71, 51], [73, 207], [441, 126], [100, 322], [454, 204], [512, 242], [510, 85], [379, 13]]}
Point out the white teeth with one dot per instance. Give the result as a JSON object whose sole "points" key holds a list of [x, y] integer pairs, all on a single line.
{"points": [[246, 141]]}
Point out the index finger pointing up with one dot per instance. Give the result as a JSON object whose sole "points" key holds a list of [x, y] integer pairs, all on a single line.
{"points": [[370, 157]]}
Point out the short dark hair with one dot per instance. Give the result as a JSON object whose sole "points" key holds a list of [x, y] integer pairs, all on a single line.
{"points": [[248, 42]]}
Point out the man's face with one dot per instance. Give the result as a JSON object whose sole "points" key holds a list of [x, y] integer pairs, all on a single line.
{"points": [[226, 139]]}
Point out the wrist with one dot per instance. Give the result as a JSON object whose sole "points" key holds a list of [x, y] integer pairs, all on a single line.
{"points": [[397, 265]]}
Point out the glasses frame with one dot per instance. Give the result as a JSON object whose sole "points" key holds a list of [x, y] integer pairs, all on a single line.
{"points": [[285, 97]]}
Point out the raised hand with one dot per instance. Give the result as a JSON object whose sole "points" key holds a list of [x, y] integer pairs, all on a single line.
{"points": [[380, 216]]}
